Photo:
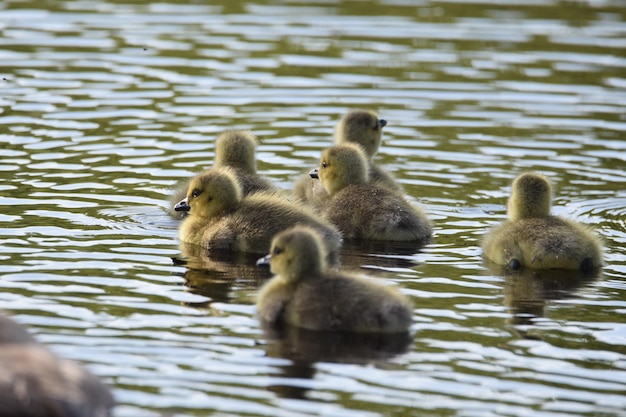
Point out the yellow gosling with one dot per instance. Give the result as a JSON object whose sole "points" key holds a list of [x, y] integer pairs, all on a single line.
{"points": [[532, 238], [364, 128], [221, 218], [305, 293], [234, 149], [363, 210], [361, 127]]}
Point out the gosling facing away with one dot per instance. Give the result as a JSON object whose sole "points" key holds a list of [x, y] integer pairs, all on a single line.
{"points": [[304, 293], [533, 238], [34, 382], [234, 149], [221, 218], [363, 210]]}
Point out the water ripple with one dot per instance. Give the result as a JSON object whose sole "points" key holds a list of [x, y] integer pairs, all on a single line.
{"points": [[105, 107]]}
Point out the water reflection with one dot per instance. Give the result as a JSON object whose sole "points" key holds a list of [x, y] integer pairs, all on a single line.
{"points": [[216, 273], [527, 292], [383, 255], [105, 105], [304, 348], [318, 346]]}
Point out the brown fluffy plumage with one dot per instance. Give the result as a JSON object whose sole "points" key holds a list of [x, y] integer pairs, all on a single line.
{"points": [[364, 210], [34, 382], [533, 238], [234, 149], [306, 294], [221, 218], [364, 128]]}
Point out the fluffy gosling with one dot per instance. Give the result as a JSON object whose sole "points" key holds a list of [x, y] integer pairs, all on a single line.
{"points": [[306, 294], [364, 210], [221, 218], [36, 382], [234, 149], [364, 128], [533, 238]]}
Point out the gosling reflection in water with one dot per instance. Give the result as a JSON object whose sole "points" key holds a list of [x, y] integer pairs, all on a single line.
{"points": [[527, 292], [356, 253], [34, 382], [306, 347], [213, 273]]}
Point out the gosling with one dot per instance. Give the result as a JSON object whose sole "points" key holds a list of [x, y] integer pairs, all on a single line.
{"points": [[36, 382], [306, 294], [221, 218], [533, 238], [364, 210], [234, 149], [364, 128]]}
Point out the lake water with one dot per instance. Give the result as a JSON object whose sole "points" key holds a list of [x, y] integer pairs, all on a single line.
{"points": [[106, 105]]}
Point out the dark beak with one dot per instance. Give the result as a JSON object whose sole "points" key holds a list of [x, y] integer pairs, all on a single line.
{"points": [[182, 205], [313, 174], [264, 261], [382, 122]]}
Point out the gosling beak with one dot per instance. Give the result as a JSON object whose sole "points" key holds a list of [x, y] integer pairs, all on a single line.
{"points": [[264, 261], [382, 122], [313, 174], [182, 205]]}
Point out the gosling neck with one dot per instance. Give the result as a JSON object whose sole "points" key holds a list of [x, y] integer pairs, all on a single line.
{"points": [[530, 197]]}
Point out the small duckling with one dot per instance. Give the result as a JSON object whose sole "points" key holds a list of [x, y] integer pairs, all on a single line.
{"points": [[34, 382], [364, 128], [221, 218], [533, 238], [234, 149], [304, 293], [363, 210]]}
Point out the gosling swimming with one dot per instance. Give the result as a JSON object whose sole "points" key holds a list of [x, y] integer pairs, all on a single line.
{"points": [[304, 293], [36, 382], [364, 128], [234, 149], [363, 210], [220, 217], [533, 238]]}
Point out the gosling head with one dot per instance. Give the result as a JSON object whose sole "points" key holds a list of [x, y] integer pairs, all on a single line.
{"points": [[363, 128], [341, 166], [297, 253], [211, 193], [530, 197], [236, 149]]}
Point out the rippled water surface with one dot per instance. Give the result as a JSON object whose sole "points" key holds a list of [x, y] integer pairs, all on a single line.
{"points": [[107, 105]]}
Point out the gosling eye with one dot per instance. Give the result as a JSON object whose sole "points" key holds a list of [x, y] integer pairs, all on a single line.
{"points": [[195, 193], [277, 251], [324, 164]]}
